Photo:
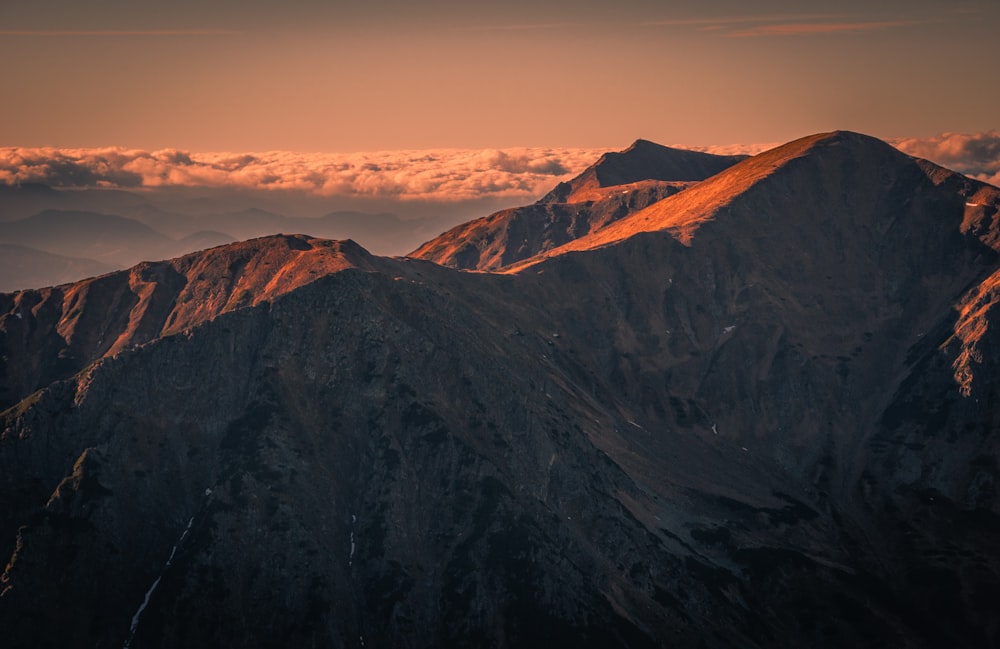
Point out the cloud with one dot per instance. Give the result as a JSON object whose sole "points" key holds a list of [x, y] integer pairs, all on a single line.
{"points": [[522, 27], [440, 175], [101, 168], [780, 24], [718, 22], [117, 32], [974, 154], [800, 29]]}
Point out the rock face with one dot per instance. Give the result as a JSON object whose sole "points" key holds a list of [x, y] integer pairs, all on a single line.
{"points": [[618, 184], [761, 412]]}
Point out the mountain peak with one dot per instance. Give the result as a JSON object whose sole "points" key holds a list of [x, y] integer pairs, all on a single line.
{"points": [[641, 161], [801, 177], [640, 143], [859, 146]]}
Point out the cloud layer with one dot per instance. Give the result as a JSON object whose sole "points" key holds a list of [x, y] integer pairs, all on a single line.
{"points": [[432, 175], [440, 175], [974, 154]]}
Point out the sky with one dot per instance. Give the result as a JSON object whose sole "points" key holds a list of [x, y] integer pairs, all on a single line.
{"points": [[377, 75]]}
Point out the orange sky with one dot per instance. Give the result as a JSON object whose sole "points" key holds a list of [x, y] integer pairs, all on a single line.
{"points": [[384, 74]]}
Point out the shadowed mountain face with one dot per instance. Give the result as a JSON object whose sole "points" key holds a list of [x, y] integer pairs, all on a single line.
{"points": [[758, 413], [618, 184]]}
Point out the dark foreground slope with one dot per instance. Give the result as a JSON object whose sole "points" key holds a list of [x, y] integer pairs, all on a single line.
{"points": [[769, 422], [618, 184]]}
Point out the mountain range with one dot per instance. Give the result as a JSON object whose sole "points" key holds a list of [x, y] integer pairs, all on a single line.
{"points": [[680, 401]]}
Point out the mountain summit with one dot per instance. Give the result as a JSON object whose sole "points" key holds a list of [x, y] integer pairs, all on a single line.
{"points": [[759, 412], [644, 160]]}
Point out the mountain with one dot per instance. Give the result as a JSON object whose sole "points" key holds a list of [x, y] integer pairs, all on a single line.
{"points": [[110, 239], [68, 245], [26, 199], [21, 266], [386, 232], [618, 184], [642, 161], [203, 239], [757, 413]]}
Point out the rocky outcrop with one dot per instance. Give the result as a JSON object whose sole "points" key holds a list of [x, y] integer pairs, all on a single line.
{"points": [[761, 418]]}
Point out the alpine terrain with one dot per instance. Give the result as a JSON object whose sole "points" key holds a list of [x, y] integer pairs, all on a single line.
{"points": [[682, 401]]}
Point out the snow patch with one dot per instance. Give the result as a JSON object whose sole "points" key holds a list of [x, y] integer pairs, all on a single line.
{"points": [[728, 329], [152, 589], [350, 557]]}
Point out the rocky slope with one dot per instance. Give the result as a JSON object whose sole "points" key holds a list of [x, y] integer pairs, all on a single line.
{"points": [[618, 184], [764, 417], [53, 333]]}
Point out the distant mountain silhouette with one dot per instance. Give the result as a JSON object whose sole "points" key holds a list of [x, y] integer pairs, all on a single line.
{"points": [[22, 267], [106, 238], [24, 200], [203, 239], [88, 243], [759, 412]]}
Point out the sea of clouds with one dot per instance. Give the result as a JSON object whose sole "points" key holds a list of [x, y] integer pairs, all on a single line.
{"points": [[436, 175], [432, 175]]}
